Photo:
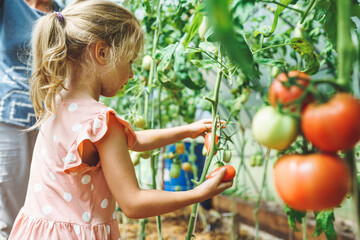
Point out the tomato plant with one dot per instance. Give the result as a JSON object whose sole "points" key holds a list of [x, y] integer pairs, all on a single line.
{"points": [[274, 129], [311, 182], [334, 125], [208, 143], [284, 91], [229, 175]]}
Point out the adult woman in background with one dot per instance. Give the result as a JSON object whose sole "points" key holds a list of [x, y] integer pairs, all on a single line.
{"points": [[16, 111]]}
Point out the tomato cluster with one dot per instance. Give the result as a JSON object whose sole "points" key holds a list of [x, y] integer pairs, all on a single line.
{"points": [[307, 182]]}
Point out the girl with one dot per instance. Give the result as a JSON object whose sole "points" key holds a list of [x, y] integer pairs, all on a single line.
{"points": [[81, 164]]}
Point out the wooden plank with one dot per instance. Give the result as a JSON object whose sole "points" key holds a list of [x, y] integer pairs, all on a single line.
{"points": [[272, 219]]}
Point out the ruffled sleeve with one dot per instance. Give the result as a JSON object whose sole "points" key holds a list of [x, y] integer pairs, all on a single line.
{"points": [[94, 131]]}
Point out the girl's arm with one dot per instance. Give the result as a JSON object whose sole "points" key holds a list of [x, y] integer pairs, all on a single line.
{"points": [[121, 179], [156, 138]]}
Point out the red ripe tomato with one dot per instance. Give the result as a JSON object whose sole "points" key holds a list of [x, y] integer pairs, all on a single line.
{"points": [[208, 137], [312, 182], [229, 175], [279, 93], [333, 126]]}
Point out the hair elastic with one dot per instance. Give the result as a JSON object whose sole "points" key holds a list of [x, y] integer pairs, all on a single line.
{"points": [[60, 16]]}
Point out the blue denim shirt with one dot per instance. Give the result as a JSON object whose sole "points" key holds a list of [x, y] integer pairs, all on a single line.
{"points": [[16, 23]]}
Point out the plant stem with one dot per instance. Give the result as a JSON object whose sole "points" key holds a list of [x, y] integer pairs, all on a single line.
{"points": [[304, 227], [214, 103], [256, 210], [282, 5], [234, 194], [272, 46], [307, 11], [345, 46]]}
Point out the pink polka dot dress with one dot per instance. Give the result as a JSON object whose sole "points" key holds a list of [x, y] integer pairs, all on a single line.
{"points": [[66, 198]]}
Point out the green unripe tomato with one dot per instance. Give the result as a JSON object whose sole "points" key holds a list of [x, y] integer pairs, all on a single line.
{"points": [[274, 129], [217, 165], [259, 160], [146, 154], [227, 155], [146, 62], [253, 161], [275, 70], [140, 122], [204, 151], [175, 170]]}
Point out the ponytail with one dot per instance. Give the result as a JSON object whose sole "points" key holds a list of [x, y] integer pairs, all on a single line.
{"points": [[49, 52]]}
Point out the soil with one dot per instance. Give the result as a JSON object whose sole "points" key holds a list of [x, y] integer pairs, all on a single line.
{"points": [[175, 225]]}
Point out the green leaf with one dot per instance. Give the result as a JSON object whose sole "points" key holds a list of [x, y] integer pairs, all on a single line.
{"points": [[325, 13], [206, 63], [264, 30], [325, 223], [169, 84], [233, 43], [210, 35], [166, 55], [208, 47], [182, 70], [271, 62], [307, 52], [194, 27], [294, 217], [277, 13]]}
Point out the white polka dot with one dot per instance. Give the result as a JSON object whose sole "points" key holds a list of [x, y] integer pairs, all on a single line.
{"points": [[92, 187], [114, 215], [67, 196], [37, 187], [70, 158], [54, 138], [52, 176], [72, 107], [86, 179], [77, 127], [77, 229], [86, 217], [97, 123], [107, 229], [104, 203], [47, 209], [43, 152]]}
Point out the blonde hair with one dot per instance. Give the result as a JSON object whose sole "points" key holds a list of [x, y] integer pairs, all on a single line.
{"points": [[57, 43]]}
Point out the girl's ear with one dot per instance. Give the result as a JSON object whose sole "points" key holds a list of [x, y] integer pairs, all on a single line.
{"points": [[101, 52]]}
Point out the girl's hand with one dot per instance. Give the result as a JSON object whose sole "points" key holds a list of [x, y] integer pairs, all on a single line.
{"points": [[213, 186], [201, 127]]}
